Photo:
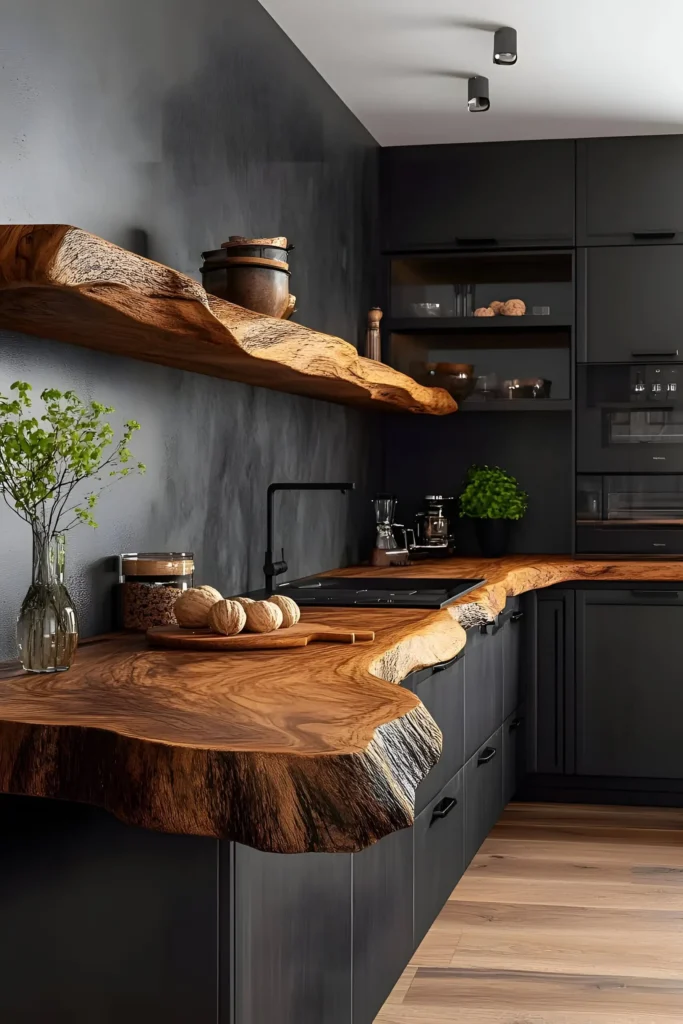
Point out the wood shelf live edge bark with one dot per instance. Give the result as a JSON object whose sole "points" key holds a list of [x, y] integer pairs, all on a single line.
{"points": [[313, 750], [60, 282]]}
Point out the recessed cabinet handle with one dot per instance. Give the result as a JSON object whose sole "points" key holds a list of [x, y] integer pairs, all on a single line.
{"points": [[669, 595], [443, 665], [443, 809], [486, 755], [477, 241], [671, 354], [642, 236]]}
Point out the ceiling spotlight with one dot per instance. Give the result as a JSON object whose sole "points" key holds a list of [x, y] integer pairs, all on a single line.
{"points": [[477, 94], [505, 46]]}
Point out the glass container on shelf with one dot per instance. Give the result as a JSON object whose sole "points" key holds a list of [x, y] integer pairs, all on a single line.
{"points": [[150, 584]]}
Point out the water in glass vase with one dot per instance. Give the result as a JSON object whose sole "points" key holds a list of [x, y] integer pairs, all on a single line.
{"points": [[47, 627]]}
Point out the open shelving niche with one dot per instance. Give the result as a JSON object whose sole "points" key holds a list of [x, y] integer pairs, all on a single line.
{"points": [[510, 347]]}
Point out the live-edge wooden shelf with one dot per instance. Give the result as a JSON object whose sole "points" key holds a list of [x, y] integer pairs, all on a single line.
{"points": [[60, 282]]}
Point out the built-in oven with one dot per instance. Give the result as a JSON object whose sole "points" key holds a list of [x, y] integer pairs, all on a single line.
{"points": [[629, 460], [630, 418]]}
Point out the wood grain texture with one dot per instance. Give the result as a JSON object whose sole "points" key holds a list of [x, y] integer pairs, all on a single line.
{"points": [[60, 282], [311, 750], [585, 927], [299, 635]]}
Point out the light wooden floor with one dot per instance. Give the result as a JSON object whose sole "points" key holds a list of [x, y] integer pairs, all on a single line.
{"points": [[568, 915]]}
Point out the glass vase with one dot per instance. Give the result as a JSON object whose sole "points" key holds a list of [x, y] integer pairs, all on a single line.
{"points": [[47, 626]]}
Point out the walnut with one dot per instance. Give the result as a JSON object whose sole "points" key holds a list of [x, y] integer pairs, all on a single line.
{"points": [[193, 606], [514, 307], [262, 617], [244, 601], [291, 613], [484, 311], [496, 306], [227, 617], [216, 594]]}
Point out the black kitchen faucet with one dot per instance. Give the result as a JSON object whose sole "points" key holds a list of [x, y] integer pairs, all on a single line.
{"points": [[272, 569]]}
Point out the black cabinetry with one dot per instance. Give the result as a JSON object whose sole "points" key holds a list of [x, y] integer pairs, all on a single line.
{"points": [[630, 303], [483, 792], [629, 190], [442, 691], [483, 684], [439, 853], [629, 698], [553, 681], [514, 740], [483, 195]]}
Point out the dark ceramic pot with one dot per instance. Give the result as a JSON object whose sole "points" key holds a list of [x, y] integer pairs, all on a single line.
{"points": [[493, 536]]}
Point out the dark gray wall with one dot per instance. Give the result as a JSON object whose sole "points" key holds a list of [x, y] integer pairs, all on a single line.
{"points": [[431, 455], [178, 124]]}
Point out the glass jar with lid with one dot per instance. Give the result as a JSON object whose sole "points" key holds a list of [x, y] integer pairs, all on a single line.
{"points": [[150, 584]]}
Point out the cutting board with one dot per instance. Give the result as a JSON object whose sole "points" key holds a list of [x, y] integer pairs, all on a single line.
{"points": [[293, 636]]}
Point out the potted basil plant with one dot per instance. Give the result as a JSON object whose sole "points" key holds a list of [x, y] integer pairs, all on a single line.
{"points": [[44, 460], [494, 500]]}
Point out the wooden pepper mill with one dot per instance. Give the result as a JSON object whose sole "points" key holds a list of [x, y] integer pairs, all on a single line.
{"points": [[373, 341]]}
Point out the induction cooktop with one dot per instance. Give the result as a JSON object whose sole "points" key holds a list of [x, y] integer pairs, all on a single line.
{"points": [[374, 591]]}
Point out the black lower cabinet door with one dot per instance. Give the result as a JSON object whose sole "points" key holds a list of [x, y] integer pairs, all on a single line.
{"points": [[629, 695], [483, 777], [553, 689], [103, 922], [483, 685], [443, 694], [439, 834], [514, 733], [292, 937], [382, 922], [513, 655]]}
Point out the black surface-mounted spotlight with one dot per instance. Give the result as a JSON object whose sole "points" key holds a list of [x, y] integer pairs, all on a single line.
{"points": [[478, 94], [505, 46]]}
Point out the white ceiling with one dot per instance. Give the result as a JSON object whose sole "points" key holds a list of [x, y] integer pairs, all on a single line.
{"points": [[585, 67]]}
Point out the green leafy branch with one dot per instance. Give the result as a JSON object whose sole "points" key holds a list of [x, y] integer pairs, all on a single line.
{"points": [[43, 461], [491, 493]]}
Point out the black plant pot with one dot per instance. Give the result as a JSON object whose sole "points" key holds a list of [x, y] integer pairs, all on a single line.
{"points": [[493, 536]]}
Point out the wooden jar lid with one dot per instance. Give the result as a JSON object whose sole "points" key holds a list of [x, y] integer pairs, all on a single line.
{"points": [[280, 242], [255, 261]]}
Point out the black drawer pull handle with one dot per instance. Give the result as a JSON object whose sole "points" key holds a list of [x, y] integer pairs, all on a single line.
{"points": [[642, 235], [515, 724], [516, 616], [669, 595], [655, 355], [443, 665], [486, 755], [477, 241], [489, 628], [443, 809]]}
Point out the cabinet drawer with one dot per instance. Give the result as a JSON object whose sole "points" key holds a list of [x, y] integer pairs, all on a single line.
{"points": [[443, 694], [483, 779], [439, 851], [483, 685], [513, 753], [512, 619], [629, 190], [622, 540]]}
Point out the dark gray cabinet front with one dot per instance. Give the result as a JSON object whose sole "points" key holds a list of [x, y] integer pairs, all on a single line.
{"points": [[292, 937], [514, 683], [483, 776], [483, 684], [382, 923], [439, 852], [443, 694], [629, 697], [629, 190], [483, 195], [554, 679], [631, 303]]}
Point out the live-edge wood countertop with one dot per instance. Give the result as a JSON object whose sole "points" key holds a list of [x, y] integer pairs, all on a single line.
{"points": [[314, 749]]}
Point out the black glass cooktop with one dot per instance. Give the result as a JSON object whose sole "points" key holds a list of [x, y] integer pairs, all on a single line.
{"points": [[340, 591]]}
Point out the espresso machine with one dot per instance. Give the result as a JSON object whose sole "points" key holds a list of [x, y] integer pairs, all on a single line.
{"points": [[432, 535], [387, 551]]}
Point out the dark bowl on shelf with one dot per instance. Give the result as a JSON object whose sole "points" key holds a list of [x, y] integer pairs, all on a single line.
{"points": [[456, 378]]}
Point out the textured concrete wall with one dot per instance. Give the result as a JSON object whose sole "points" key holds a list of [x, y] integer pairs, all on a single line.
{"points": [[169, 125]]}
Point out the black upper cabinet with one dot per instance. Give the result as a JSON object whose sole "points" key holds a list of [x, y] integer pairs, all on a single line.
{"points": [[629, 190], [630, 303], [478, 196], [629, 699]]}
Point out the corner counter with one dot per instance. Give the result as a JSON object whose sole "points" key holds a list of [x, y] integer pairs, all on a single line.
{"points": [[313, 750]]}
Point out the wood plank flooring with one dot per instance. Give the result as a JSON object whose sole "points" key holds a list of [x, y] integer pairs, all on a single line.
{"points": [[568, 915]]}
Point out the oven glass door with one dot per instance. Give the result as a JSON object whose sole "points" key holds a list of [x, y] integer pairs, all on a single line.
{"points": [[630, 500]]}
